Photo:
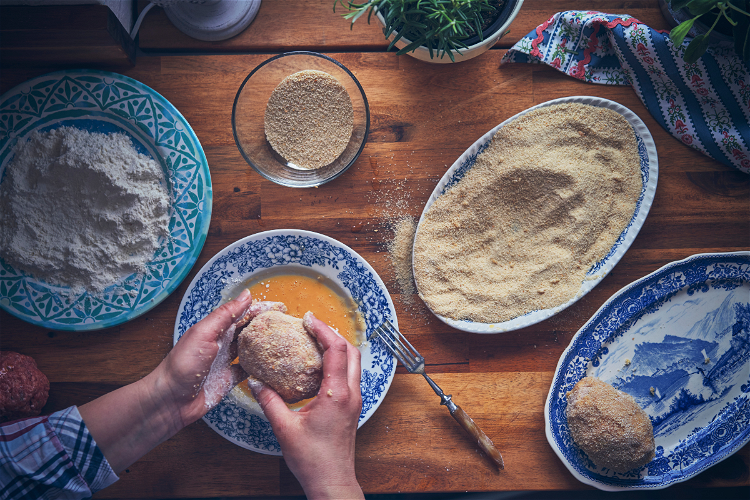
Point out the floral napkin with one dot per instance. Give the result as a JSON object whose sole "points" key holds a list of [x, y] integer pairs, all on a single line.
{"points": [[705, 105]]}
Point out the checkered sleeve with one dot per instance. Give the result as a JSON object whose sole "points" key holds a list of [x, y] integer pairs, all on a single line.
{"points": [[51, 457]]}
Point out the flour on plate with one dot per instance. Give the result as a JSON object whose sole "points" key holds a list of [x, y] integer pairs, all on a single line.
{"points": [[81, 209]]}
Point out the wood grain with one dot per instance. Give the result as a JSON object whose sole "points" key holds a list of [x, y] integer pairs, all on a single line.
{"points": [[47, 35], [423, 118], [317, 27]]}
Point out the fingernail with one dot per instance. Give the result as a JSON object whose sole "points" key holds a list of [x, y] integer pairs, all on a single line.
{"points": [[244, 296], [255, 387]]}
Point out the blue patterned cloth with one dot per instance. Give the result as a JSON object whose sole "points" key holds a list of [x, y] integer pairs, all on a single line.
{"points": [[705, 105]]}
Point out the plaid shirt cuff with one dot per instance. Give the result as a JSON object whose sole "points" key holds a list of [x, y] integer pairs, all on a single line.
{"points": [[51, 457]]}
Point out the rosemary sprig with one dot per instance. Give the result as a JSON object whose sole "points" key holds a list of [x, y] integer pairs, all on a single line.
{"points": [[439, 25]]}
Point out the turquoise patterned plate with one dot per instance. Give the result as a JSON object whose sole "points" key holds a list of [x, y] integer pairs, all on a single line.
{"points": [[99, 101]]}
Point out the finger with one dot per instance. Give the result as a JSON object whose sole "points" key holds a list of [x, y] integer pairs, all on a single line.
{"points": [[353, 368], [319, 330], [218, 322], [270, 402], [335, 350], [258, 307], [216, 385]]}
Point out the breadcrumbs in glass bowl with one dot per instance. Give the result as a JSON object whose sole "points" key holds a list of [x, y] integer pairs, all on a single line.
{"points": [[300, 119]]}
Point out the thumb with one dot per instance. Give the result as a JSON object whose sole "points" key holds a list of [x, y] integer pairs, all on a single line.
{"points": [[217, 323]]}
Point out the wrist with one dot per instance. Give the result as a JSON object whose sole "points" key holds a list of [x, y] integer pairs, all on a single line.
{"points": [[156, 395], [130, 421], [331, 482], [350, 490]]}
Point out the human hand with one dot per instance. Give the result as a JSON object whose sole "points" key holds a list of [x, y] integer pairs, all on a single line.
{"points": [[318, 440], [197, 373]]}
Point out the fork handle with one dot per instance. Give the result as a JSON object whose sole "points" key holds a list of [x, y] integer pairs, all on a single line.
{"points": [[473, 429]]}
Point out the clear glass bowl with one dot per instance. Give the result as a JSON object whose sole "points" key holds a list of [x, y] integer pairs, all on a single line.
{"points": [[250, 107]]}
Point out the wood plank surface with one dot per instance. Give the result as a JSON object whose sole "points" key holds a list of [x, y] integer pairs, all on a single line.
{"points": [[317, 27], [423, 117], [62, 36]]}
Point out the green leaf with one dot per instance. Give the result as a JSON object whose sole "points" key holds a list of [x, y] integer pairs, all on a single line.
{"points": [[700, 7], [741, 34], [678, 4], [696, 49], [679, 32]]}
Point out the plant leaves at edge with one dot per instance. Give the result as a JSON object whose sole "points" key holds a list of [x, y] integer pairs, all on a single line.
{"points": [[700, 7], [678, 4], [680, 31], [741, 34], [696, 49]]}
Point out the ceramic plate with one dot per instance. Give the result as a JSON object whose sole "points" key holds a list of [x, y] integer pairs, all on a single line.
{"points": [[649, 174], [239, 419], [99, 101], [685, 330]]}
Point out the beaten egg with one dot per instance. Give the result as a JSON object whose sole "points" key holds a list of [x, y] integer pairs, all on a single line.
{"points": [[309, 292]]}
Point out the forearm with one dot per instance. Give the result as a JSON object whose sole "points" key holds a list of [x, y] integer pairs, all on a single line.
{"points": [[129, 422]]}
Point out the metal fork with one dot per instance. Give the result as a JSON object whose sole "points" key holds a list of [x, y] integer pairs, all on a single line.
{"points": [[414, 363]]}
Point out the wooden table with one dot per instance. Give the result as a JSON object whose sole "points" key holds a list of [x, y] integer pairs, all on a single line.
{"points": [[423, 117]]}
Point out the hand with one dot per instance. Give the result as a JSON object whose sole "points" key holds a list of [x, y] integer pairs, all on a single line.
{"points": [[193, 378], [197, 373], [318, 440]]}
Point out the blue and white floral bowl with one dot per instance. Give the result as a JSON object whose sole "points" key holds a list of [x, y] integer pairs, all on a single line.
{"points": [[239, 419], [99, 101]]}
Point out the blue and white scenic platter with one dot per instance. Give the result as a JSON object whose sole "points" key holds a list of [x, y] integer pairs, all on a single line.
{"points": [[239, 419], [649, 176], [684, 331], [99, 101]]}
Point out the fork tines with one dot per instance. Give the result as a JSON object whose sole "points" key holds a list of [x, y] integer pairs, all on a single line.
{"points": [[399, 346]]}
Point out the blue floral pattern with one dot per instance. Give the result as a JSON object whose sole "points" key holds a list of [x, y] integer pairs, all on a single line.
{"points": [[696, 424], [99, 101], [649, 176], [238, 262]]}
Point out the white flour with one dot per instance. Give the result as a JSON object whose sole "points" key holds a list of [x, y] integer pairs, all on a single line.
{"points": [[81, 209]]}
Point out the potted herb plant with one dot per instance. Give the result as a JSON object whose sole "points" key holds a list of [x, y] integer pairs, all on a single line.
{"points": [[439, 31], [712, 22]]}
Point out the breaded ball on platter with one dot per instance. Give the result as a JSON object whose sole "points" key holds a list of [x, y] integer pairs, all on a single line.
{"points": [[609, 426]]}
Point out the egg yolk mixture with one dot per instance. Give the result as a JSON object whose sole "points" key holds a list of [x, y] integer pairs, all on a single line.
{"points": [[305, 293]]}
